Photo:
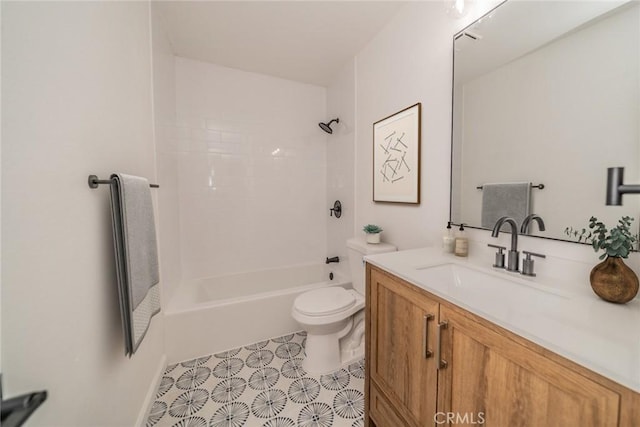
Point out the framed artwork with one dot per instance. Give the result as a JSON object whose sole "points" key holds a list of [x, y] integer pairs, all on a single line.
{"points": [[396, 157]]}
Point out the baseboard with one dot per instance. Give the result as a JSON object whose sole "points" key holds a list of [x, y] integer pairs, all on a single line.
{"points": [[151, 393]]}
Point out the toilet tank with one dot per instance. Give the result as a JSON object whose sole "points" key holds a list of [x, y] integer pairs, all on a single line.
{"points": [[357, 249]]}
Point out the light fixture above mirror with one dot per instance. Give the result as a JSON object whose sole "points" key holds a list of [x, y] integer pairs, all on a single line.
{"points": [[456, 8]]}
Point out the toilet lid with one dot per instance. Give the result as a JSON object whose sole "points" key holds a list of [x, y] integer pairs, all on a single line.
{"points": [[324, 301]]}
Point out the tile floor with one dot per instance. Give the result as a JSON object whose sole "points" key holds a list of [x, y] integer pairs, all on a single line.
{"points": [[262, 384]]}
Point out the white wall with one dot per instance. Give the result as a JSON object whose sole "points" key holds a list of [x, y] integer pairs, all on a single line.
{"points": [[341, 158], [76, 100], [0, 203], [252, 170], [410, 61]]}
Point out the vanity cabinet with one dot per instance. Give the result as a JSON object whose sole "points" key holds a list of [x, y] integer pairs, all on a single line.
{"points": [[401, 361], [484, 375], [512, 385]]}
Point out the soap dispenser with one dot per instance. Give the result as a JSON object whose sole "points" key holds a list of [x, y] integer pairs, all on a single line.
{"points": [[448, 240], [461, 243]]}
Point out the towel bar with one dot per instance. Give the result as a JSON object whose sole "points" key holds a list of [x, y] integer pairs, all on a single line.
{"points": [[16, 410], [540, 186], [94, 182]]}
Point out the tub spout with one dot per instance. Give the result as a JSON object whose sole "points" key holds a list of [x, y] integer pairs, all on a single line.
{"points": [[334, 259]]}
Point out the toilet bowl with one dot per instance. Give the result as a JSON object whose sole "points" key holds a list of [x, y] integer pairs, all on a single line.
{"points": [[333, 317]]}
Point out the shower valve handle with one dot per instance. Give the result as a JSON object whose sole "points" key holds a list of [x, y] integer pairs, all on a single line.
{"points": [[336, 209]]}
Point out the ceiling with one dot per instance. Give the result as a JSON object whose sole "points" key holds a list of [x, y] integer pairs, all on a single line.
{"points": [[483, 47], [307, 41]]}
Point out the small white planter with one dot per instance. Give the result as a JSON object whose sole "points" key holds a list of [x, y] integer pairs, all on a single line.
{"points": [[373, 238]]}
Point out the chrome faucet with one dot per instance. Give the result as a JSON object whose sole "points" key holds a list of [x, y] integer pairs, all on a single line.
{"points": [[524, 229], [513, 258]]}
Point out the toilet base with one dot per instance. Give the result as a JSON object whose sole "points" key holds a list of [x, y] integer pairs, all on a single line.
{"points": [[329, 352], [322, 351], [349, 357], [352, 345], [326, 362]]}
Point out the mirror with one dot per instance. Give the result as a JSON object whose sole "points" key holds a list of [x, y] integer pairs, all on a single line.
{"points": [[547, 93]]}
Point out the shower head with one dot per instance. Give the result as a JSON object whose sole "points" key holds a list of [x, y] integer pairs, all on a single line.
{"points": [[327, 126]]}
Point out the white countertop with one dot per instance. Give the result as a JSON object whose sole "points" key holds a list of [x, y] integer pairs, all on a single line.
{"points": [[598, 335]]}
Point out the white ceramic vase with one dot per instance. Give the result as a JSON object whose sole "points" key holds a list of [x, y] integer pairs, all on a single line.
{"points": [[373, 238]]}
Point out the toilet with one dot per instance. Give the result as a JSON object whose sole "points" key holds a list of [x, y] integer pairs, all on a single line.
{"points": [[333, 317]]}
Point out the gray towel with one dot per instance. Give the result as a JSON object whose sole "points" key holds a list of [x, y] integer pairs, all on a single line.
{"points": [[136, 256], [505, 199]]}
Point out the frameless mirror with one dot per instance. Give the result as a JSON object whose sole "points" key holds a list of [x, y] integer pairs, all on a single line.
{"points": [[548, 93]]}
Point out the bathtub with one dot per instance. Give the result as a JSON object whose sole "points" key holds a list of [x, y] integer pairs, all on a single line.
{"points": [[214, 314]]}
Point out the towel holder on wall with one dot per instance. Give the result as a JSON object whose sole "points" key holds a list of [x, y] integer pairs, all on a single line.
{"points": [[94, 182], [540, 186]]}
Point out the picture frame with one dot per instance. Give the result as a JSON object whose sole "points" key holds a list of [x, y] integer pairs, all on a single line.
{"points": [[396, 157]]}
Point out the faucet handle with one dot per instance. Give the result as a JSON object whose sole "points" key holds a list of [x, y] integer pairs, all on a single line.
{"points": [[530, 254], [499, 255], [527, 263]]}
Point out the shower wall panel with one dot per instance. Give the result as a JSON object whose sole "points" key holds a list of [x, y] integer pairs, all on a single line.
{"points": [[251, 170]]}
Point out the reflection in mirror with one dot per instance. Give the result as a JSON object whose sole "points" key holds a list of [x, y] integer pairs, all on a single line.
{"points": [[547, 93]]}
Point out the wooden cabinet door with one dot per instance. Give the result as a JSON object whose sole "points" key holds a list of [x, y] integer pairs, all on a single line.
{"points": [[402, 323], [505, 384]]}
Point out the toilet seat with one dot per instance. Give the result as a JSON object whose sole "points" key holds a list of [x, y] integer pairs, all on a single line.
{"points": [[333, 317], [324, 302]]}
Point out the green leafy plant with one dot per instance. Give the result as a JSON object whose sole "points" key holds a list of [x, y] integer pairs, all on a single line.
{"points": [[617, 242], [371, 229]]}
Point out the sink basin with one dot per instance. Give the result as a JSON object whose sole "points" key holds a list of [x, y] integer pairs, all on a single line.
{"points": [[456, 277], [496, 292]]}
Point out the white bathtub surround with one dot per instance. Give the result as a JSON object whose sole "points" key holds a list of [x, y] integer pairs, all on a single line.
{"points": [[164, 115], [262, 384], [233, 310], [249, 166], [340, 145], [251, 170]]}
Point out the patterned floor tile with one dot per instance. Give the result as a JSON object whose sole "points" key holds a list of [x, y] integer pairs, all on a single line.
{"points": [[261, 384]]}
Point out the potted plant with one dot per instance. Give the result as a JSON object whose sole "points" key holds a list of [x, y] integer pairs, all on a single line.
{"points": [[612, 280], [373, 233]]}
